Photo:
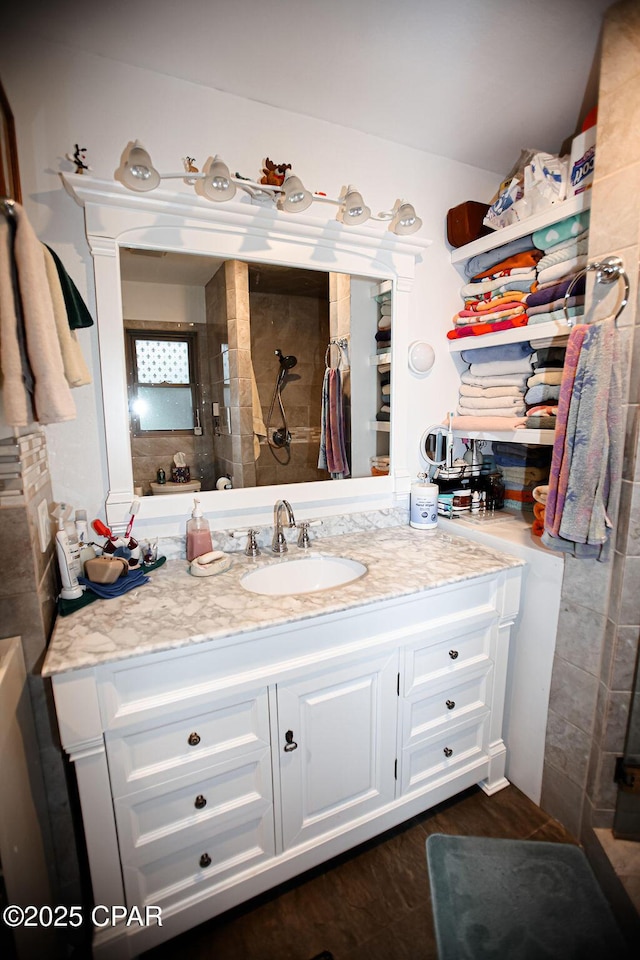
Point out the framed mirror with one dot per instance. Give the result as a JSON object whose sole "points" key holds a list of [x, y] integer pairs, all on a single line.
{"points": [[145, 248], [226, 369]]}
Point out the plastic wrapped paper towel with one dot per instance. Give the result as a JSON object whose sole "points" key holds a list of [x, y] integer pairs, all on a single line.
{"points": [[535, 186]]}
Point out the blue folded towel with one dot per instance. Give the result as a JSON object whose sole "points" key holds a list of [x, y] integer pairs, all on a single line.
{"points": [[505, 351], [122, 585]]}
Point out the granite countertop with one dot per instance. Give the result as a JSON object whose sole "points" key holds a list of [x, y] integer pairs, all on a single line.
{"points": [[175, 609]]}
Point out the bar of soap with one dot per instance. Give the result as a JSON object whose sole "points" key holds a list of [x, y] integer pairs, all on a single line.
{"points": [[210, 564], [212, 557]]}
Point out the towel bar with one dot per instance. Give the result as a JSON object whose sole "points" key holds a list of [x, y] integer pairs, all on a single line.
{"points": [[607, 271]]}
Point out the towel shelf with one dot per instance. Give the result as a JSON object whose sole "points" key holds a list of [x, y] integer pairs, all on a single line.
{"points": [[559, 211], [537, 331], [379, 358], [381, 426], [543, 437]]}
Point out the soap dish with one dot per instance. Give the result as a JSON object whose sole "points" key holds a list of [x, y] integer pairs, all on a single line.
{"points": [[210, 564]]}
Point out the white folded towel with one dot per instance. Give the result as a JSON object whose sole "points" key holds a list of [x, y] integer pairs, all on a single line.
{"points": [[507, 380], [515, 413], [563, 269], [466, 390], [575, 247], [497, 368], [553, 377], [479, 403]]}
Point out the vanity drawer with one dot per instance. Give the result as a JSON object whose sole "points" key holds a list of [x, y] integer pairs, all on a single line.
{"points": [[198, 869], [149, 755], [453, 651], [450, 703], [156, 823], [443, 756]]}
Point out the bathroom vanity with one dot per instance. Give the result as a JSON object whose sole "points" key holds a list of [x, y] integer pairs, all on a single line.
{"points": [[224, 742]]}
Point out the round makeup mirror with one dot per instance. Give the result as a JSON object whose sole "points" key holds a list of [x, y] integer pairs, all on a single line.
{"points": [[433, 445]]}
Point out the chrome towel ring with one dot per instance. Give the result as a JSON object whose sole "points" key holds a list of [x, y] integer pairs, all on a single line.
{"points": [[342, 344], [607, 271]]}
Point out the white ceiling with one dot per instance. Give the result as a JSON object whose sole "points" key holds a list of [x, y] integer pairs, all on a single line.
{"points": [[472, 80]]}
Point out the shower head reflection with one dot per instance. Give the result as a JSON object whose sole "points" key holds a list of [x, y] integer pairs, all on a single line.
{"points": [[286, 364]]}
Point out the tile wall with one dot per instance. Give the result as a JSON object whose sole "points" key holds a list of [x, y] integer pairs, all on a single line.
{"points": [[297, 325], [597, 642], [28, 591]]}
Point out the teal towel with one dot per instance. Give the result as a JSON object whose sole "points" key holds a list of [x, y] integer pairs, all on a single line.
{"points": [[77, 312]]}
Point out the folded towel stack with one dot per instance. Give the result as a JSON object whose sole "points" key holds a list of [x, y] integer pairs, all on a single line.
{"points": [[383, 345], [499, 281], [383, 334], [543, 386], [493, 386], [523, 468], [565, 248]]}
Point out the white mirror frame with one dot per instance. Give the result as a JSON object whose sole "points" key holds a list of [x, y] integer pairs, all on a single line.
{"points": [[184, 222]]}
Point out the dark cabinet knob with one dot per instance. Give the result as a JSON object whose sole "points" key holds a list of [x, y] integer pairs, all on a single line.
{"points": [[453, 654], [200, 802], [194, 739], [205, 860], [450, 704], [290, 744], [447, 751]]}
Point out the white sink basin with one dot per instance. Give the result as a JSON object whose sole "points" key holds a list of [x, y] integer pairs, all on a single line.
{"points": [[302, 575]]}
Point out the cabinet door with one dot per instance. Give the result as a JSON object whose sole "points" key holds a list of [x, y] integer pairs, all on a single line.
{"points": [[337, 736]]}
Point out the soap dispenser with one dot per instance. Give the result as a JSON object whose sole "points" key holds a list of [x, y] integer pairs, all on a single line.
{"points": [[198, 534]]}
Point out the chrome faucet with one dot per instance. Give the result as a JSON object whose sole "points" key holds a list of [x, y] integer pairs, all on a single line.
{"points": [[279, 544]]}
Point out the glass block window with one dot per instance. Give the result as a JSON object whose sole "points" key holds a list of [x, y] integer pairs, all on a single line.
{"points": [[162, 361], [162, 382]]}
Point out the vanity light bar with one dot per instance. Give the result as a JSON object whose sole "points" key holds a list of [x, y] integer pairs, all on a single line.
{"points": [[216, 183]]}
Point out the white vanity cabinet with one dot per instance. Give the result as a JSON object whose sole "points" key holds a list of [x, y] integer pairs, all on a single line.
{"points": [[337, 745], [194, 790], [209, 773]]}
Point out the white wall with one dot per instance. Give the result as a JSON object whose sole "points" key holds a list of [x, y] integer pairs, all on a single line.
{"points": [[163, 302], [60, 98]]}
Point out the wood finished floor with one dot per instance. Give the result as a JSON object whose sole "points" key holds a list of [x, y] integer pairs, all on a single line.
{"points": [[370, 904]]}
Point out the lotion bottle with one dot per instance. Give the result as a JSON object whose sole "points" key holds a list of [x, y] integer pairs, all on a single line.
{"points": [[68, 553], [198, 534]]}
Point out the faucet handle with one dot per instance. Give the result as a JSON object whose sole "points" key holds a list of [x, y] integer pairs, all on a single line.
{"points": [[251, 549], [304, 540]]}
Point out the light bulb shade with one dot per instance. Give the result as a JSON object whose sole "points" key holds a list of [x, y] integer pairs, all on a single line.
{"points": [[354, 209], [405, 220], [294, 198], [217, 183], [137, 171], [421, 357]]}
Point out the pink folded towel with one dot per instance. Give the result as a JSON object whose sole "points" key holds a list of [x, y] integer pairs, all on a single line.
{"points": [[489, 423]]}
